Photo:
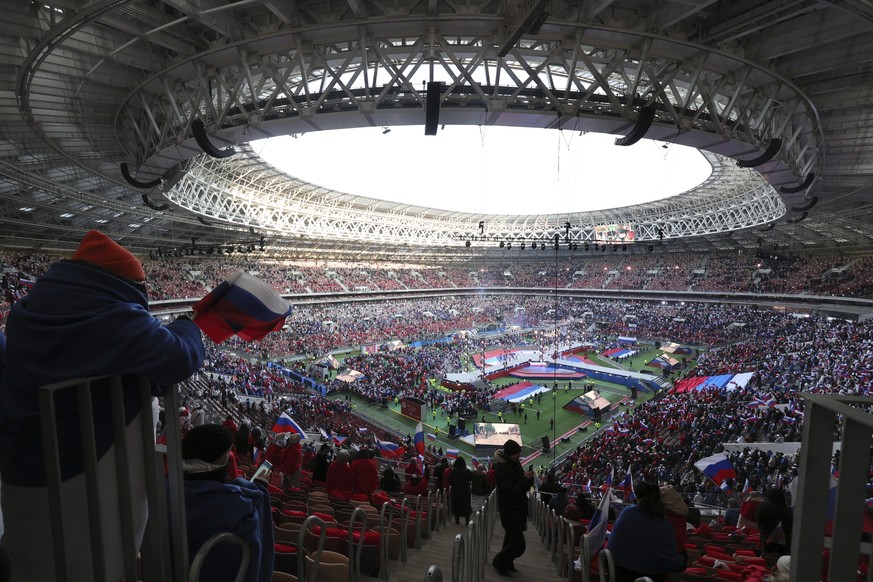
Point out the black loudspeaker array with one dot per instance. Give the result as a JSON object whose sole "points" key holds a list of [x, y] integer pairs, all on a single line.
{"points": [[546, 444], [432, 108], [451, 430], [462, 424]]}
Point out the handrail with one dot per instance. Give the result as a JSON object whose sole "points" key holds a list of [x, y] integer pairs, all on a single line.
{"points": [[433, 574], [404, 526], [162, 491], [384, 532], [429, 512], [301, 538], [418, 521], [458, 558], [571, 543], [200, 557], [355, 571], [471, 549], [605, 560]]}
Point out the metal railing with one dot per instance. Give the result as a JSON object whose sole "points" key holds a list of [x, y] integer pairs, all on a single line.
{"points": [[165, 496], [200, 557], [808, 539]]}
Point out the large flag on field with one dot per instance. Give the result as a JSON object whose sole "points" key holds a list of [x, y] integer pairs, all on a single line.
{"points": [[419, 438], [244, 306], [287, 424], [390, 450], [717, 467]]}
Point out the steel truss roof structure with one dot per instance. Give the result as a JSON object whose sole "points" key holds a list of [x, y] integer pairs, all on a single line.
{"points": [[90, 84], [244, 190]]}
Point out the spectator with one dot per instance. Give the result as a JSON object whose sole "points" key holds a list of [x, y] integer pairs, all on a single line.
{"points": [[732, 515], [548, 488], [559, 501], [775, 521], [289, 461], [84, 317], [513, 483], [642, 541], [390, 482], [340, 479], [320, 463], [214, 505], [438, 471], [460, 480], [366, 473]]}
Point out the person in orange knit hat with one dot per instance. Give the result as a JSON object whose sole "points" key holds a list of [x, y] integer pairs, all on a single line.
{"points": [[85, 317]]}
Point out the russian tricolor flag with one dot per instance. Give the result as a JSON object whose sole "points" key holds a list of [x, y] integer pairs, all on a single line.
{"points": [[339, 440], [430, 436], [452, 453], [717, 467], [419, 438], [607, 483], [628, 487], [244, 306], [287, 424], [390, 450]]}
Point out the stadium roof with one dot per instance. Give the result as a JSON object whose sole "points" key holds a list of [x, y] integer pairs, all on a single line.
{"points": [[90, 86]]}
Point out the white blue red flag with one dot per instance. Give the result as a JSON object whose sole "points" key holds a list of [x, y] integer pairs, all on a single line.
{"points": [[596, 534], [607, 483], [339, 440], [286, 424], [628, 487], [430, 436], [244, 306], [390, 450], [717, 467], [452, 453], [419, 438], [747, 488]]}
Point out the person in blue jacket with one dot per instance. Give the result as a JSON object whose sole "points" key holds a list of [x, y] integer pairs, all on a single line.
{"points": [[85, 317], [642, 541], [214, 505]]}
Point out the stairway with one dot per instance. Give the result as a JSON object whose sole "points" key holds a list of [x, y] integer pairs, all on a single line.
{"points": [[535, 565]]}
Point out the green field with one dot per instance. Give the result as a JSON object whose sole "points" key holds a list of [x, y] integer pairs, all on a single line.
{"points": [[550, 406]]}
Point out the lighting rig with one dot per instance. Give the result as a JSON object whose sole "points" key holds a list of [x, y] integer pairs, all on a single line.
{"points": [[241, 247]]}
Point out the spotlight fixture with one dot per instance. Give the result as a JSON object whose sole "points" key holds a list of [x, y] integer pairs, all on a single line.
{"points": [[586, 247], [502, 244], [386, 130], [467, 243], [522, 246]]}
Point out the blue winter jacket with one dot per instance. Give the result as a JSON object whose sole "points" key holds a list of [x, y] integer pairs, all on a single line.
{"points": [[80, 321]]}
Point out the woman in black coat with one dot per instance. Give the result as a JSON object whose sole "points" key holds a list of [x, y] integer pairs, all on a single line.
{"points": [[459, 480]]}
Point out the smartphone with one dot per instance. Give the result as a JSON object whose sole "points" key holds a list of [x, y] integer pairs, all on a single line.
{"points": [[265, 467]]}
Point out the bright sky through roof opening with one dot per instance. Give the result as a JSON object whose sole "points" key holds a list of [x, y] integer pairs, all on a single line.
{"points": [[489, 170]]}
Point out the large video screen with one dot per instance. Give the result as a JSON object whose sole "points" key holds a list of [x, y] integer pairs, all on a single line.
{"points": [[615, 233], [492, 434]]}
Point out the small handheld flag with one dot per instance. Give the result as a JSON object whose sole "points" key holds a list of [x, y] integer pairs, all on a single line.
{"points": [[419, 438], [717, 467], [286, 424], [390, 450], [244, 306], [607, 483]]}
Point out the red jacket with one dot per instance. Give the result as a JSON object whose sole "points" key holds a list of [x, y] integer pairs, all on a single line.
{"points": [[415, 488], [340, 478], [289, 459], [366, 474]]}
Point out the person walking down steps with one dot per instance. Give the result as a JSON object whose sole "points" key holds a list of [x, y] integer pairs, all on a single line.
{"points": [[513, 483]]}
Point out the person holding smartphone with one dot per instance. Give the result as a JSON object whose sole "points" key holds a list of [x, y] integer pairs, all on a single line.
{"points": [[513, 483], [214, 505]]}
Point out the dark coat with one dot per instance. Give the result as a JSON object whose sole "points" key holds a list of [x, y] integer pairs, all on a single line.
{"points": [[460, 483], [512, 488]]}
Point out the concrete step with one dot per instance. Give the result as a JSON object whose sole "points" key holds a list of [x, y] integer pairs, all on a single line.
{"points": [[535, 564]]}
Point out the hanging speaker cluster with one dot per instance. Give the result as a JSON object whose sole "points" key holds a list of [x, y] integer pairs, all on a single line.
{"points": [[638, 131], [432, 108], [796, 220], [125, 172], [772, 149], [199, 131]]}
